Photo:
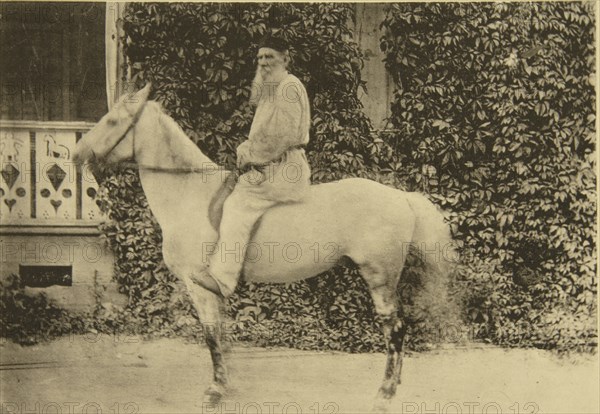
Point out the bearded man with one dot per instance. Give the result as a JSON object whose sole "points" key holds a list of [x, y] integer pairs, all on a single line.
{"points": [[272, 162]]}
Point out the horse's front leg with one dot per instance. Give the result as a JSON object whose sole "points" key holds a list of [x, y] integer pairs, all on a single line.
{"points": [[213, 335], [208, 305]]}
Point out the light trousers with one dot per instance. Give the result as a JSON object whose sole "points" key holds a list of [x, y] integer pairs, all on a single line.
{"points": [[255, 192]]}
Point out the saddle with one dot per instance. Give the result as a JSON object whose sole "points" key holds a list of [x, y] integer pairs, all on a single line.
{"points": [[215, 207]]}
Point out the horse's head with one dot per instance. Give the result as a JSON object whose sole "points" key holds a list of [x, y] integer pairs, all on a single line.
{"points": [[111, 139]]}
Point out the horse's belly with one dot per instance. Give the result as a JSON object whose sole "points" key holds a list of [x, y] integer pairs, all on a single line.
{"points": [[285, 263], [293, 242]]}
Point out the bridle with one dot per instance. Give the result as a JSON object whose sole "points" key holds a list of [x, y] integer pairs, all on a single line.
{"points": [[133, 165], [134, 121]]}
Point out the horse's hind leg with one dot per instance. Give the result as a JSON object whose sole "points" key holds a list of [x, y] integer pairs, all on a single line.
{"points": [[394, 330], [383, 291], [208, 305]]}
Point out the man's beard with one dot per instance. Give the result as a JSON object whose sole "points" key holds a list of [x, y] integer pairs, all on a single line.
{"points": [[265, 84]]}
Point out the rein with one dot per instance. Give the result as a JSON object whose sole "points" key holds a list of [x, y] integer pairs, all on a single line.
{"points": [[175, 170]]}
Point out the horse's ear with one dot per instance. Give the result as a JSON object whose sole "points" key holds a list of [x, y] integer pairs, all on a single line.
{"points": [[135, 101], [145, 92]]}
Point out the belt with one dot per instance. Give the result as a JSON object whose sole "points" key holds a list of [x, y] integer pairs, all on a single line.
{"points": [[260, 166]]}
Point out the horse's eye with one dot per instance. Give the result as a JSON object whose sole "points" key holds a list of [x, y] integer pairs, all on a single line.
{"points": [[111, 121]]}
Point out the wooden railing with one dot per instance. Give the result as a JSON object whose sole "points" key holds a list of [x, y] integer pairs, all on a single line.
{"points": [[40, 185]]}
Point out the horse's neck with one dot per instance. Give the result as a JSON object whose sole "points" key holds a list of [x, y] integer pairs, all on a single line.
{"points": [[161, 143], [174, 195]]}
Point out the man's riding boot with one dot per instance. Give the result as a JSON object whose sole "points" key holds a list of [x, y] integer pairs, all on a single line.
{"points": [[204, 279]]}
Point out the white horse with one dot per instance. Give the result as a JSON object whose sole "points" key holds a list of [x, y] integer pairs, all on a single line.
{"points": [[370, 223]]}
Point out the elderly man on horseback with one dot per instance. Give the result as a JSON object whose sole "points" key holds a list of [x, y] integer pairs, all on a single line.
{"points": [[272, 163], [373, 225]]}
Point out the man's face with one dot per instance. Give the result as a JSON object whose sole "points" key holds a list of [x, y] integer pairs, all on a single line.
{"points": [[270, 62]]}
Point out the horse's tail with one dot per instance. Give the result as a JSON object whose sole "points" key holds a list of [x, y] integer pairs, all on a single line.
{"points": [[433, 247], [432, 237]]}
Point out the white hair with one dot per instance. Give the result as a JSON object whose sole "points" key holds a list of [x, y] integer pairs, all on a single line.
{"points": [[262, 88]]}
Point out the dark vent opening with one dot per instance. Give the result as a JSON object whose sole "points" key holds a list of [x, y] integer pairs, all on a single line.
{"points": [[44, 276]]}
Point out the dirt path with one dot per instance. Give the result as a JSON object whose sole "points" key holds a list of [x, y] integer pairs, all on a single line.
{"points": [[127, 375]]}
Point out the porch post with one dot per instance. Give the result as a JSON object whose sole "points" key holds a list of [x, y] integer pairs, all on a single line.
{"points": [[115, 84], [380, 89]]}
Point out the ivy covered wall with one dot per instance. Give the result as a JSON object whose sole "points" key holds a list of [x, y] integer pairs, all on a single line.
{"points": [[495, 114], [493, 118]]}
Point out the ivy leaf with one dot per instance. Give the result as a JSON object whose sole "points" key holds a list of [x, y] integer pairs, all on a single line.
{"points": [[440, 124]]}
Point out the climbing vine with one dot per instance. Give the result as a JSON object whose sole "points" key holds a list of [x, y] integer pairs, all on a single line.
{"points": [[494, 113]]}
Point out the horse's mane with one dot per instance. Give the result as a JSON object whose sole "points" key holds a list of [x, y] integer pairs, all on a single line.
{"points": [[169, 123], [180, 143]]}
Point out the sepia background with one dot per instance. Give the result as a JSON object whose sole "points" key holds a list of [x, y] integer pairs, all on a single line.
{"points": [[489, 109]]}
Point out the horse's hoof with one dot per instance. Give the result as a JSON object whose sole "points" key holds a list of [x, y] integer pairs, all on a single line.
{"points": [[213, 394], [386, 391], [382, 405]]}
